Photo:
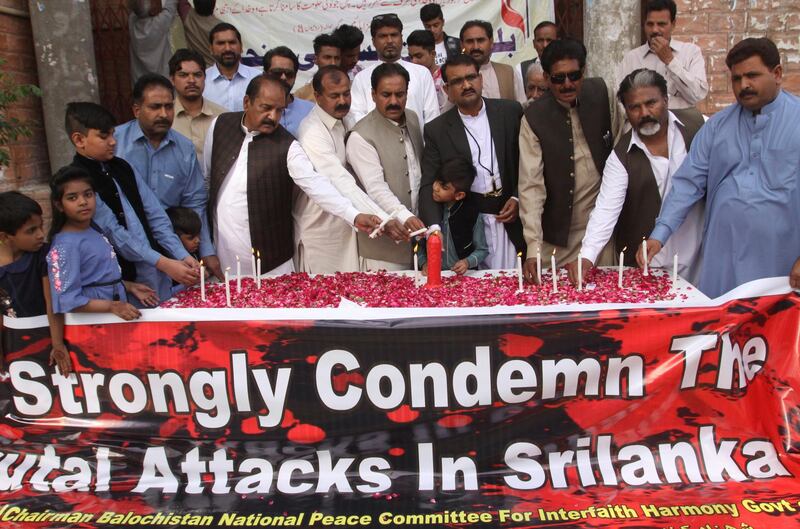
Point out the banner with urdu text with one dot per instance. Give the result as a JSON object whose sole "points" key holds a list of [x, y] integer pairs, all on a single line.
{"points": [[648, 417], [295, 23]]}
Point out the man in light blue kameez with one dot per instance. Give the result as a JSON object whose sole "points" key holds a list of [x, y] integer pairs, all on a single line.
{"points": [[746, 163]]}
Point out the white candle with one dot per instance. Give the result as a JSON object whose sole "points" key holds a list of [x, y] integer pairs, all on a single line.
{"points": [[258, 269], [675, 271], [227, 287], [553, 270], [253, 263], [238, 276], [202, 281], [416, 265], [519, 271], [539, 264], [621, 261], [644, 254], [580, 272]]}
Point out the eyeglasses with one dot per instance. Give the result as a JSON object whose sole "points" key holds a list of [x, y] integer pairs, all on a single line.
{"points": [[561, 78], [386, 16], [458, 81]]}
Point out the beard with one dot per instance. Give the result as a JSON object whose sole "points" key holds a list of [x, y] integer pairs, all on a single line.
{"points": [[649, 129]]}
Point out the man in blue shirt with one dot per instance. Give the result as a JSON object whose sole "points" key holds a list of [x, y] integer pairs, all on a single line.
{"points": [[282, 62], [165, 159], [227, 78], [746, 162]]}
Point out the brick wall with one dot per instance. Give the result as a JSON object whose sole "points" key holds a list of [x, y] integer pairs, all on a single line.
{"points": [[716, 25], [29, 169]]}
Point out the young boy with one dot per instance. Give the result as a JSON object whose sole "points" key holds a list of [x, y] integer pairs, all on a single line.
{"points": [[422, 51], [128, 212], [187, 226], [24, 287], [463, 238]]}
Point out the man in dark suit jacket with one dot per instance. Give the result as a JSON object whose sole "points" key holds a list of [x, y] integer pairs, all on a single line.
{"points": [[485, 131]]}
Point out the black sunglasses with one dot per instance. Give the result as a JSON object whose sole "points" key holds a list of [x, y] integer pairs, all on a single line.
{"points": [[561, 78], [387, 16]]}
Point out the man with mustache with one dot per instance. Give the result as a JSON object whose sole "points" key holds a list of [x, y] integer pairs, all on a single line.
{"points": [[255, 168], [193, 112], [324, 243], [485, 132], [680, 63], [164, 158], [544, 33], [499, 80], [227, 79], [283, 63], [387, 38], [384, 150], [564, 141], [638, 174], [744, 161]]}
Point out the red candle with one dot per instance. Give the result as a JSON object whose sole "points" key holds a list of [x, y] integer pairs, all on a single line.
{"points": [[434, 249]]}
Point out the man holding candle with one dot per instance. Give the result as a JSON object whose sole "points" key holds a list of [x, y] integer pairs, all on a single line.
{"points": [[638, 173], [324, 243], [254, 165], [384, 150], [564, 141], [165, 158], [744, 161]]}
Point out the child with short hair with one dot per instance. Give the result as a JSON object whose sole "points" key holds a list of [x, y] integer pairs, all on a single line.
{"points": [[128, 212], [85, 275], [463, 238], [187, 225], [24, 289]]}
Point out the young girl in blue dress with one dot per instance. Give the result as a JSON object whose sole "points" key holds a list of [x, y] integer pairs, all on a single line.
{"points": [[84, 272]]}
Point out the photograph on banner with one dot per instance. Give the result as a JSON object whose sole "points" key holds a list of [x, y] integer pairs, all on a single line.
{"points": [[295, 23]]}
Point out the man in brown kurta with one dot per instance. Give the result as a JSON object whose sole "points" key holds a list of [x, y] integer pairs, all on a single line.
{"points": [[565, 138]]}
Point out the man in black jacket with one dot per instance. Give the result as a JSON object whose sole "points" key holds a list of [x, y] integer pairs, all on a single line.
{"points": [[486, 132]]}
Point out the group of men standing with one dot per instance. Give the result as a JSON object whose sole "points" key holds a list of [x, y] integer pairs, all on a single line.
{"points": [[336, 176]]}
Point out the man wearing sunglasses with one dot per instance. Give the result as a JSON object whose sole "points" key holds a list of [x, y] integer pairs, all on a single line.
{"points": [[565, 139], [485, 132], [387, 39], [282, 62]]}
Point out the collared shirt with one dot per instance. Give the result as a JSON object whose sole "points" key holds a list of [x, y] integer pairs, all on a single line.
{"points": [[501, 252], [685, 74], [171, 171], [367, 165], [229, 93], [294, 114], [747, 167], [232, 222], [322, 137], [491, 86], [131, 241], [149, 41], [603, 219], [195, 128], [441, 93], [421, 94]]}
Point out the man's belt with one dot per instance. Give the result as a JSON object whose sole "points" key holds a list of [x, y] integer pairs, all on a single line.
{"points": [[489, 203]]}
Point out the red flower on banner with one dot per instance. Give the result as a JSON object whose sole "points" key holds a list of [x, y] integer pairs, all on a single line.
{"points": [[511, 16]]}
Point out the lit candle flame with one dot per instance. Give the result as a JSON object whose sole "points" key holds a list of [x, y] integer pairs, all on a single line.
{"points": [[416, 246], [258, 254], [624, 249], [519, 254], [554, 251]]}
